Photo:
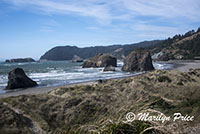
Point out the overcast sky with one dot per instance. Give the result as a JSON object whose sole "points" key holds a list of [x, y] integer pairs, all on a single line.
{"points": [[28, 28]]}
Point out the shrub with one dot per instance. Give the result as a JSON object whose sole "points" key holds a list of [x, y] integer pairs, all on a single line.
{"points": [[164, 79]]}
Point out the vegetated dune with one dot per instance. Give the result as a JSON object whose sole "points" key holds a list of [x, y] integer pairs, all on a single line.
{"points": [[102, 108]]}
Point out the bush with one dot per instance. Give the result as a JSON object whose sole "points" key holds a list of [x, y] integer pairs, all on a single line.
{"points": [[164, 79]]}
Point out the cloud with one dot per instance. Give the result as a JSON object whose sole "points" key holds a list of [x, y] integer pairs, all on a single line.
{"points": [[88, 8], [106, 10], [165, 8], [163, 16], [152, 31], [49, 25], [151, 28]]}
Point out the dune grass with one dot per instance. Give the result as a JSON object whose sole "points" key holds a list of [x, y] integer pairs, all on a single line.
{"points": [[101, 108]]}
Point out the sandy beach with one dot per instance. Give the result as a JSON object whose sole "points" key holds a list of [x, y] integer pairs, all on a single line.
{"points": [[181, 65], [40, 90]]}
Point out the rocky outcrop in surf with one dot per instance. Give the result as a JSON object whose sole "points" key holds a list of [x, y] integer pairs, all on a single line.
{"points": [[109, 68], [138, 60], [18, 79], [76, 58], [20, 60], [100, 60]]}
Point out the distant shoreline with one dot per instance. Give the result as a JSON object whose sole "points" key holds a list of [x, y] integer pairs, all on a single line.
{"points": [[180, 65]]}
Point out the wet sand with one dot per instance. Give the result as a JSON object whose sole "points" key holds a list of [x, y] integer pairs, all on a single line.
{"points": [[39, 90], [181, 65]]}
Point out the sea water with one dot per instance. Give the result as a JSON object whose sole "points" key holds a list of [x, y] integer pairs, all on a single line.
{"points": [[54, 73]]}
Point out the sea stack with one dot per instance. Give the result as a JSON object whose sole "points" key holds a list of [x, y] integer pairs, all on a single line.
{"points": [[20, 60], [76, 58], [18, 79], [138, 60], [100, 60]]}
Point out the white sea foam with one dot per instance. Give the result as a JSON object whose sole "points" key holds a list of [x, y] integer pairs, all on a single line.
{"points": [[120, 63], [162, 66], [18, 64], [60, 73]]}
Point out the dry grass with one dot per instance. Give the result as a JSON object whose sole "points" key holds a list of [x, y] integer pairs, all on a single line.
{"points": [[101, 108]]}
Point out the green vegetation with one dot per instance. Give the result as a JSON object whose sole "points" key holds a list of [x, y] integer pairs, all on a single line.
{"points": [[136, 127], [179, 47], [164, 79]]}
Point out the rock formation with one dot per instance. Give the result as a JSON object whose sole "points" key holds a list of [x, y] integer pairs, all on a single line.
{"points": [[76, 58], [100, 60], [163, 57], [138, 60], [109, 68], [18, 79], [19, 60]]}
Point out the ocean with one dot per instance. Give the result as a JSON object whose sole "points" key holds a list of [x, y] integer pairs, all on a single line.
{"points": [[55, 73]]}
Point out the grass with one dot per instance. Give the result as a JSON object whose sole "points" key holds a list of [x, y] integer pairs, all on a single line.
{"points": [[85, 109], [137, 127], [164, 79]]}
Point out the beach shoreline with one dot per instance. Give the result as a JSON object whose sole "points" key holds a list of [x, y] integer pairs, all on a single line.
{"points": [[183, 65], [180, 65], [43, 90]]}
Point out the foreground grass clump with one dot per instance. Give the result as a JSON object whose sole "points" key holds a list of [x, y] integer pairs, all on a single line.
{"points": [[136, 127], [84, 109], [164, 79]]}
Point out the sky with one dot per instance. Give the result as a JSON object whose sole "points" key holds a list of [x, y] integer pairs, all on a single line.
{"points": [[28, 28]]}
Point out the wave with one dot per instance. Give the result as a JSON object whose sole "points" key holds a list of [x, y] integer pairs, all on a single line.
{"points": [[120, 63], [18, 64], [61, 73], [162, 66]]}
